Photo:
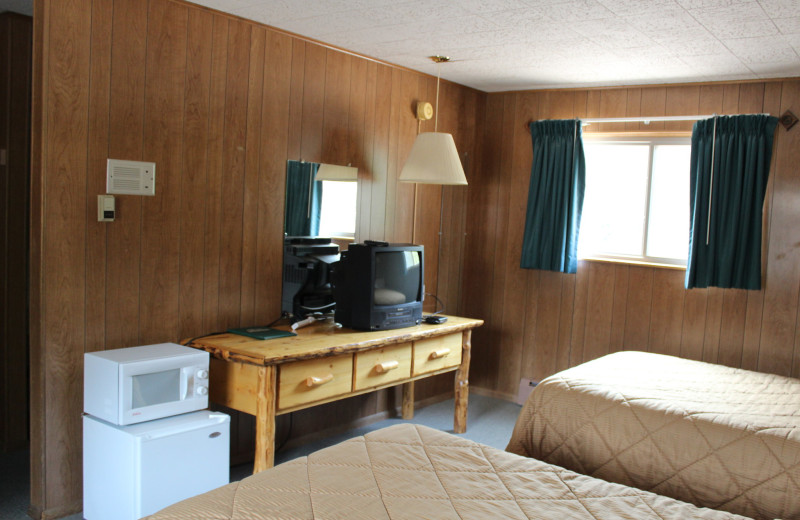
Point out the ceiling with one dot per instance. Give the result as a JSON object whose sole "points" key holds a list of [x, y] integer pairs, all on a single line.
{"points": [[499, 45]]}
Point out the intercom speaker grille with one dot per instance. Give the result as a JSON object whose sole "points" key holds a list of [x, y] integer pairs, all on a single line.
{"points": [[131, 177]]}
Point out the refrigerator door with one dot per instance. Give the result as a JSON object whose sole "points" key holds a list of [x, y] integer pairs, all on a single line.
{"points": [[183, 460], [133, 471]]}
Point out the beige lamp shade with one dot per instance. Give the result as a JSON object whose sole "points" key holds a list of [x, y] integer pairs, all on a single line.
{"points": [[433, 160], [333, 172]]}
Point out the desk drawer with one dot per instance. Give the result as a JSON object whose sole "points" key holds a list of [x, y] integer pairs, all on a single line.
{"points": [[304, 382], [436, 353], [382, 366]]}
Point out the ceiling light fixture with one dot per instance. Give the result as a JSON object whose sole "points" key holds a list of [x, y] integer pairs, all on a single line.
{"points": [[434, 158]]}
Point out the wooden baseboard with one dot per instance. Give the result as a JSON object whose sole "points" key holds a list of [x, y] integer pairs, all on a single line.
{"points": [[56, 512]]}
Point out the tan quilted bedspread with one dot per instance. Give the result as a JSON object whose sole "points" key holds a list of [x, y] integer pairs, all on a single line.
{"points": [[711, 435], [413, 472]]}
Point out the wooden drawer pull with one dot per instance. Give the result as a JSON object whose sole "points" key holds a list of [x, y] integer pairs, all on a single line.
{"points": [[318, 381], [384, 367], [438, 354]]}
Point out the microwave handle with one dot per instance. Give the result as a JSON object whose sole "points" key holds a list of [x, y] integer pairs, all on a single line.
{"points": [[186, 372]]}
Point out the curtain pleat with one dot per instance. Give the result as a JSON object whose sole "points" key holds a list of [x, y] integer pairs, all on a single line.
{"points": [[730, 219], [303, 199], [555, 197]]}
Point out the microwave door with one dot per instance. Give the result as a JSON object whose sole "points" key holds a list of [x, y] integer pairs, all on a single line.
{"points": [[160, 388], [156, 388]]}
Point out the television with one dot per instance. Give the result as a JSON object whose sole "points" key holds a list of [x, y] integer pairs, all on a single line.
{"points": [[379, 286], [306, 275]]}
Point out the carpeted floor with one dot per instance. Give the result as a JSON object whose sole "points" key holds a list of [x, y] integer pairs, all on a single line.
{"points": [[489, 422]]}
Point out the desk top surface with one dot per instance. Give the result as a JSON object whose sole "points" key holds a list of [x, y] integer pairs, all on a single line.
{"points": [[321, 339]]}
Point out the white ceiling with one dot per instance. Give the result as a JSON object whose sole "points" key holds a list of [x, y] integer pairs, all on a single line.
{"points": [[499, 45], [502, 45]]}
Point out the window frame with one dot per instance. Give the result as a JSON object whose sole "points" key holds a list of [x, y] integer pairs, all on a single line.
{"points": [[652, 140]]}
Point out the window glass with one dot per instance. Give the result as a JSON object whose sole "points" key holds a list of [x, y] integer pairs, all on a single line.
{"points": [[668, 234], [338, 209], [614, 204], [636, 204]]}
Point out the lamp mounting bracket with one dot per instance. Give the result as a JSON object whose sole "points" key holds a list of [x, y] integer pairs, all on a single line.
{"points": [[439, 59]]}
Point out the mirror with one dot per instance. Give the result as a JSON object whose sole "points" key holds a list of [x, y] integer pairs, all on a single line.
{"points": [[321, 201]]}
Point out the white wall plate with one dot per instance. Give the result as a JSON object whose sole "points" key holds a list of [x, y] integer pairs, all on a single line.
{"points": [[131, 177]]}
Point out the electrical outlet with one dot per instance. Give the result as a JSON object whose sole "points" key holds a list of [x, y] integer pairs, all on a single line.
{"points": [[525, 388]]}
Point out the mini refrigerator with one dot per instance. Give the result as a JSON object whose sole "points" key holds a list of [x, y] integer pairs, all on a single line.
{"points": [[136, 470]]}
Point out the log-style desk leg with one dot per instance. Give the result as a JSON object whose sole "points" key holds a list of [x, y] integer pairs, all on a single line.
{"points": [[462, 384], [408, 401], [265, 419], [244, 373]]}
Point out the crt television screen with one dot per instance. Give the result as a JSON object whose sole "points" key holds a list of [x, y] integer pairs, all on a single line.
{"points": [[397, 277]]}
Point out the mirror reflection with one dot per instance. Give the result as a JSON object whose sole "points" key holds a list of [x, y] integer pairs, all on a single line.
{"points": [[321, 200], [319, 221]]}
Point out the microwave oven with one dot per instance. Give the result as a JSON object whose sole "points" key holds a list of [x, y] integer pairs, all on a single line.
{"points": [[137, 384]]}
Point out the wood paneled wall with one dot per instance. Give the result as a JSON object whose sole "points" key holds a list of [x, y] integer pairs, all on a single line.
{"points": [[220, 104], [539, 322], [16, 35]]}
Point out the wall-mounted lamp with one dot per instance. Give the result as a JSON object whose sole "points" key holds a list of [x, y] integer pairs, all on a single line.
{"points": [[433, 158]]}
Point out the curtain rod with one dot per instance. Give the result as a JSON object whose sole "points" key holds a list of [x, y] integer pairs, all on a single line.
{"points": [[646, 120]]}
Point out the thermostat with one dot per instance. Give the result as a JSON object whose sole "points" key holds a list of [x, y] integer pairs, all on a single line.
{"points": [[106, 208]]}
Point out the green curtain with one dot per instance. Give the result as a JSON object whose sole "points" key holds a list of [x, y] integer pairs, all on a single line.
{"points": [[303, 199], [555, 197], [725, 229]]}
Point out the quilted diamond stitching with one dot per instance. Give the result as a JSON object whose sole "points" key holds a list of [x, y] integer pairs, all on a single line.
{"points": [[664, 458], [719, 409], [592, 496]]}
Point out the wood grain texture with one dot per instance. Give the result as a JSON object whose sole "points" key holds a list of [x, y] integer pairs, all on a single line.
{"points": [[213, 186], [38, 351], [619, 314], [126, 141], [63, 305], [274, 142], [335, 128], [480, 235], [502, 344], [779, 325], [606, 307], [90, 52], [99, 109], [220, 104], [313, 103], [250, 201], [407, 408], [265, 411], [234, 154], [322, 339], [378, 367], [164, 105], [195, 164], [462, 385]]}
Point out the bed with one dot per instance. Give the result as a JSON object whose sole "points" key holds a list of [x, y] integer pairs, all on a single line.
{"points": [[413, 472], [714, 436]]}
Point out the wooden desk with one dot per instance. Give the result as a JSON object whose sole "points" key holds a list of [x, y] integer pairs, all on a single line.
{"points": [[325, 363]]}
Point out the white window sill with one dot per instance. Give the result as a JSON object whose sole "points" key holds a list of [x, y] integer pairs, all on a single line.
{"points": [[632, 261]]}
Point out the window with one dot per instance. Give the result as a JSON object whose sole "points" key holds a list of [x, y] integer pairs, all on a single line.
{"points": [[338, 209], [636, 204]]}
